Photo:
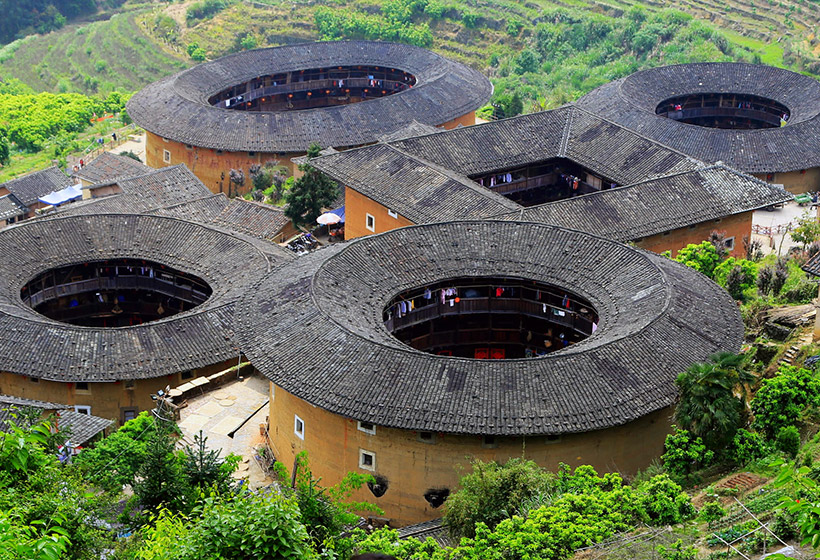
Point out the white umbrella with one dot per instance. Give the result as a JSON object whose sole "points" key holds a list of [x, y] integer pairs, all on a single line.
{"points": [[328, 218]]}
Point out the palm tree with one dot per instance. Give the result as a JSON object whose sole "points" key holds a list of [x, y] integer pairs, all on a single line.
{"points": [[713, 398]]}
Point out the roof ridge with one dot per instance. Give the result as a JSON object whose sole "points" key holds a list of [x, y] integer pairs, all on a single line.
{"points": [[463, 179], [562, 147]]}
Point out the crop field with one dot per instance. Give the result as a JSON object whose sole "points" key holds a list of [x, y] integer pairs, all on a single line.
{"points": [[98, 57]]}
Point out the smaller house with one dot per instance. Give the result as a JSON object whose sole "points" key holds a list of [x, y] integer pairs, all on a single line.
{"points": [[29, 189], [105, 169]]}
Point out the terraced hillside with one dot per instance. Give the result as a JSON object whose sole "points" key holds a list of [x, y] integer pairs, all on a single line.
{"points": [[98, 57]]}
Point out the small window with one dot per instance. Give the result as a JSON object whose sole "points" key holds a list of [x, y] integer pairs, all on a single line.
{"points": [[367, 428], [717, 220], [81, 386], [298, 427], [166, 156], [165, 140], [83, 409], [666, 233], [367, 460], [129, 384], [34, 379], [553, 439], [370, 222], [489, 442], [188, 147], [129, 414], [427, 437], [252, 154], [218, 151], [186, 375], [392, 213], [693, 226], [729, 242]]}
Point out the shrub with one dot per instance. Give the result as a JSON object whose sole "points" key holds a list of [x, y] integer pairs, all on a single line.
{"points": [[711, 512], [664, 502], [746, 447], [684, 454], [780, 400], [788, 440]]}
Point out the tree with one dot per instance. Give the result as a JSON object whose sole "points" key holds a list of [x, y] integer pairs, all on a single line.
{"points": [[310, 193], [115, 460], [712, 399], [264, 525], [702, 257], [684, 454], [807, 230], [781, 400], [160, 479], [204, 469], [493, 492]]}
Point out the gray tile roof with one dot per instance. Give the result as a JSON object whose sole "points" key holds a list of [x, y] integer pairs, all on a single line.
{"points": [[658, 205], [177, 107], [11, 207], [315, 329], [144, 193], [83, 426], [417, 189], [425, 179], [30, 187], [632, 101], [108, 167], [40, 347]]}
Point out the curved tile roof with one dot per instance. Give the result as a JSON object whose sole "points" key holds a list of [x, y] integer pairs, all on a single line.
{"points": [[631, 102], [331, 348], [35, 345], [177, 107]]}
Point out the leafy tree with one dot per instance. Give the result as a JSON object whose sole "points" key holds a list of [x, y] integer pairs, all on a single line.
{"points": [[781, 400], [663, 501], [526, 61], [493, 492], [788, 440], [807, 230], [113, 462], [160, 479], [310, 193], [711, 512], [249, 525], [684, 454], [702, 257], [712, 400], [325, 511], [746, 447]]}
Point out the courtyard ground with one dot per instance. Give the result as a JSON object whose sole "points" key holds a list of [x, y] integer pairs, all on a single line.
{"points": [[220, 412], [770, 227]]}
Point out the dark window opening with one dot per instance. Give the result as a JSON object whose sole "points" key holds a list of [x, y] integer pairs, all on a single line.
{"points": [[436, 496]]}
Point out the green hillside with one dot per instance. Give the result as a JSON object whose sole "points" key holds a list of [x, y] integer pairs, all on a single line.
{"points": [[98, 57]]}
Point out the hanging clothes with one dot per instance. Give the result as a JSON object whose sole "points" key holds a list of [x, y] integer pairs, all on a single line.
{"points": [[427, 294]]}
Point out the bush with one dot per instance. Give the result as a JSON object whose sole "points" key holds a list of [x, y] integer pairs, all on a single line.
{"points": [[781, 400], [204, 10], [664, 502], [493, 492], [788, 440], [747, 447], [804, 292], [684, 454], [711, 512]]}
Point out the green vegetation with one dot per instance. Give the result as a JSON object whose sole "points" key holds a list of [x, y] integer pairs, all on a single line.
{"points": [[310, 193]]}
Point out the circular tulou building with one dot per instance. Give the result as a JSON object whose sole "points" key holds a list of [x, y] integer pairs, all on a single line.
{"points": [[407, 353], [758, 119], [104, 310], [271, 104]]}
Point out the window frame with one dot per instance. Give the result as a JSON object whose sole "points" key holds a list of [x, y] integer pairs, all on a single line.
{"points": [[297, 422], [370, 222], [166, 156], [362, 464], [362, 428]]}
